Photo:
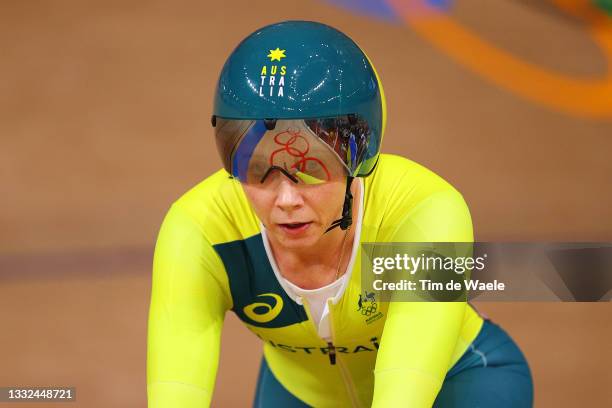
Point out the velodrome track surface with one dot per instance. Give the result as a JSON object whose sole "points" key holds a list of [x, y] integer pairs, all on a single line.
{"points": [[104, 121]]}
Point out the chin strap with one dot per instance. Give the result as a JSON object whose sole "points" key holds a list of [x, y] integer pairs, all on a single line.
{"points": [[347, 209]]}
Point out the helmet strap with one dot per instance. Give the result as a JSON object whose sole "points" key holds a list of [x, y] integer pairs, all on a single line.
{"points": [[347, 209]]}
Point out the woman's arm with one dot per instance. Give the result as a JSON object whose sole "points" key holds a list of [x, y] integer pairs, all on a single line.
{"points": [[185, 317], [419, 337]]}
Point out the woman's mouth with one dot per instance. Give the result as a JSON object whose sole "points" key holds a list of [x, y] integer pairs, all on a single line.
{"points": [[295, 228]]}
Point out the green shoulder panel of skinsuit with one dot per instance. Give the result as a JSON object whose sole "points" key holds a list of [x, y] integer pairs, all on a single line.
{"points": [[210, 258]]}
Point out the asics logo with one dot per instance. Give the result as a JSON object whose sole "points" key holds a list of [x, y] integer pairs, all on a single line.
{"points": [[262, 312]]}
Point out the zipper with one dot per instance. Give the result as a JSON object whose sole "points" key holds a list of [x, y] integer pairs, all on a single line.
{"points": [[346, 376], [330, 346], [331, 352], [334, 358]]}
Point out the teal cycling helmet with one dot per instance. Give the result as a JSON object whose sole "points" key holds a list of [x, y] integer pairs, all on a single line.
{"points": [[300, 70], [317, 71]]}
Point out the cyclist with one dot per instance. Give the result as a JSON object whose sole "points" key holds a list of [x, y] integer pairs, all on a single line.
{"points": [[299, 116]]}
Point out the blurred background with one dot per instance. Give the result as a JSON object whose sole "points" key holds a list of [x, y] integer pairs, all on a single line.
{"points": [[105, 121]]}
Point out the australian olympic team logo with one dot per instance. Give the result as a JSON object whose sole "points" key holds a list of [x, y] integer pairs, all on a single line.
{"points": [[263, 312], [273, 75], [367, 303]]}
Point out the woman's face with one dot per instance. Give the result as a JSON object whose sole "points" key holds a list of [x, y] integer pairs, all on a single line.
{"points": [[296, 215]]}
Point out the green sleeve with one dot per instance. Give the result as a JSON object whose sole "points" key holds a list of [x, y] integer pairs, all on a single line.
{"points": [[419, 337], [185, 317]]}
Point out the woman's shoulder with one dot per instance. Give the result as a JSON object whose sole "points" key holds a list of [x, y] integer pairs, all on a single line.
{"points": [[400, 188], [398, 178], [220, 208]]}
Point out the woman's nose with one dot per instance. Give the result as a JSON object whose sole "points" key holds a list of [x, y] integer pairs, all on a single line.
{"points": [[289, 196]]}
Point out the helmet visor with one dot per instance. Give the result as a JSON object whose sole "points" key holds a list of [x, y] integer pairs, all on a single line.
{"points": [[309, 151]]}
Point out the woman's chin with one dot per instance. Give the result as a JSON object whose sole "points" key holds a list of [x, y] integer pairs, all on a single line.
{"points": [[296, 238]]}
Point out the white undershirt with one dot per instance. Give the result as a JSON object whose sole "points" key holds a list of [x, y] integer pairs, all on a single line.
{"points": [[317, 300]]}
